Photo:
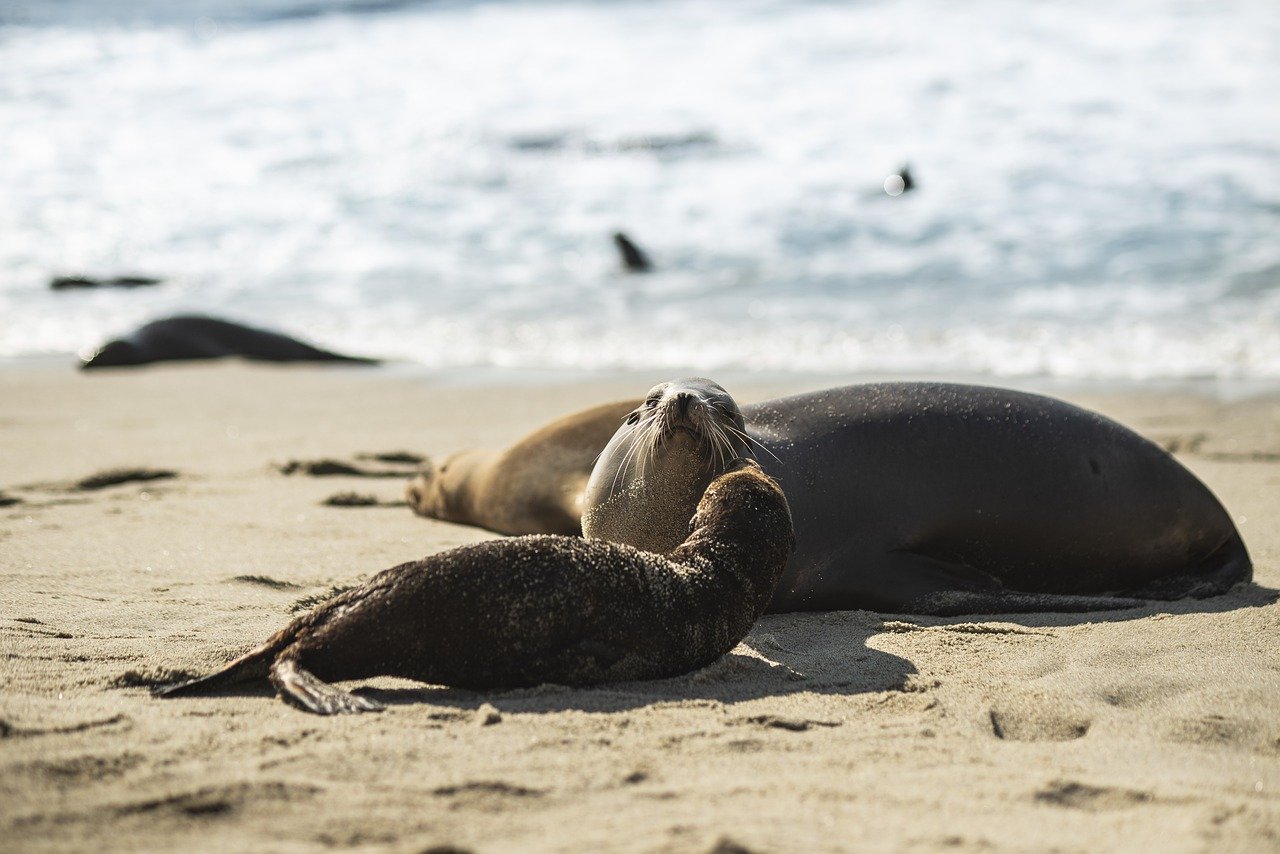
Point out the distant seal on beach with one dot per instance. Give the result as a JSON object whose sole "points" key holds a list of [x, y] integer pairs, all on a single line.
{"points": [[523, 611], [533, 487], [77, 282], [186, 337], [929, 498]]}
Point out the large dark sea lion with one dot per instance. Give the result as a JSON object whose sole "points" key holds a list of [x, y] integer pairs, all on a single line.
{"points": [[523, 611], [186, 337], [927, 498], [533, 487]]}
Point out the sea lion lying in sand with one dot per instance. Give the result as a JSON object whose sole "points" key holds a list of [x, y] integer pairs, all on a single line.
{"points": [[923, 498], [523, 611], [533, 487], [186, 337]]}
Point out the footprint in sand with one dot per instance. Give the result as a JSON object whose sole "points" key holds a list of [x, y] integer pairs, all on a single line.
{"points": [[265, 581], [94, 482], [404, 465], [785, 723], [218, 800], [356, 499], [82, 770], [117, 477], [485, 795], [1222, 731], [1038, 719], [150, 677], [1072, 795]]}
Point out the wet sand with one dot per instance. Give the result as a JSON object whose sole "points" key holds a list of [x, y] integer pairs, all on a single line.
{"points": [[1155, 729]]}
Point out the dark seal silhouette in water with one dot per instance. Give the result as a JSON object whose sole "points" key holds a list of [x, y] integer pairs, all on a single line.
{"points": [[633, 259], [926, 498], [527, 610], [188, 337]]}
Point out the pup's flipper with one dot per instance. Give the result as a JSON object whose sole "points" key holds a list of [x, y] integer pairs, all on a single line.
{"points": [[301, 688]]}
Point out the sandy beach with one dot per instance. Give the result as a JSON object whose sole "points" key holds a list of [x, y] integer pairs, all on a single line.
{"points": [[1153, 729]]}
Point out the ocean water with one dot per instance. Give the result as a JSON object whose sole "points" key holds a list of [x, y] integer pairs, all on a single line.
{"points": [[1098, 184]]}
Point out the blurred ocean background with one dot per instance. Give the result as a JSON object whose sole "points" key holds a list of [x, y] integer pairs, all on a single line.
{"points": [[1098, 183]]}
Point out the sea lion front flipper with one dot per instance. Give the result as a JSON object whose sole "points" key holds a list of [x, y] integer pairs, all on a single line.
{"points": [[301, 688], [584, 661], [943, 589], [953, 603]]}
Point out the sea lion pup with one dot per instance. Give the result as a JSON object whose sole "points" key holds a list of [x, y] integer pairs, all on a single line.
{"points": [[929, 498], [187, 337], [518, 612], [533, 487]]}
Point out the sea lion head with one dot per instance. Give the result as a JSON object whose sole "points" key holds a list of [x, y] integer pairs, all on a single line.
{"points": [[445, 491], [746, 508], [649, 479], [113, 354]]}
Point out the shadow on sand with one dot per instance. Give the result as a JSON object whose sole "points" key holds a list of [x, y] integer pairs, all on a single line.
{"points": [[822, 653]]}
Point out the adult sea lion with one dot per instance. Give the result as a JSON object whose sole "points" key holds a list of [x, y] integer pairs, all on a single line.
{"points": [[533, 487], [523, 611], [930, 498], [925, 498], [185, 337]]}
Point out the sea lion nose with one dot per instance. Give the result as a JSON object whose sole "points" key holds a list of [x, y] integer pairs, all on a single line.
{"points": [[682, 402]]}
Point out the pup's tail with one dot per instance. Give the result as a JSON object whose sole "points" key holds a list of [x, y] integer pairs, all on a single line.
{"points": [[252, 666]]}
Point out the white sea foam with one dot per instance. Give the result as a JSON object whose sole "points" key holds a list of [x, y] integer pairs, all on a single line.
{"points": [[1099, 188]]}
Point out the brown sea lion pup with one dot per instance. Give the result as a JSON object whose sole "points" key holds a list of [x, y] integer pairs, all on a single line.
{"points": [[523, 611], [533, 487]]}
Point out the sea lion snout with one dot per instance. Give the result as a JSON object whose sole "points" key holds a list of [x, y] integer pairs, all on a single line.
{"points": [[685, 410], [418, 492]]}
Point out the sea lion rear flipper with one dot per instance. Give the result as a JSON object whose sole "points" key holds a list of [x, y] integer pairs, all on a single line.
{"points": [[301, 688], [944, 589], [247, 668]]}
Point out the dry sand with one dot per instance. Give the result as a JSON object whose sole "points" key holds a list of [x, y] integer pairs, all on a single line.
{"points": [[1157, 729]]}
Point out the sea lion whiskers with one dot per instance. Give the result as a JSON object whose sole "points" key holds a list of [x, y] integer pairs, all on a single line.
{"points": [[636, 452], [726, 433], [750, 441]]}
